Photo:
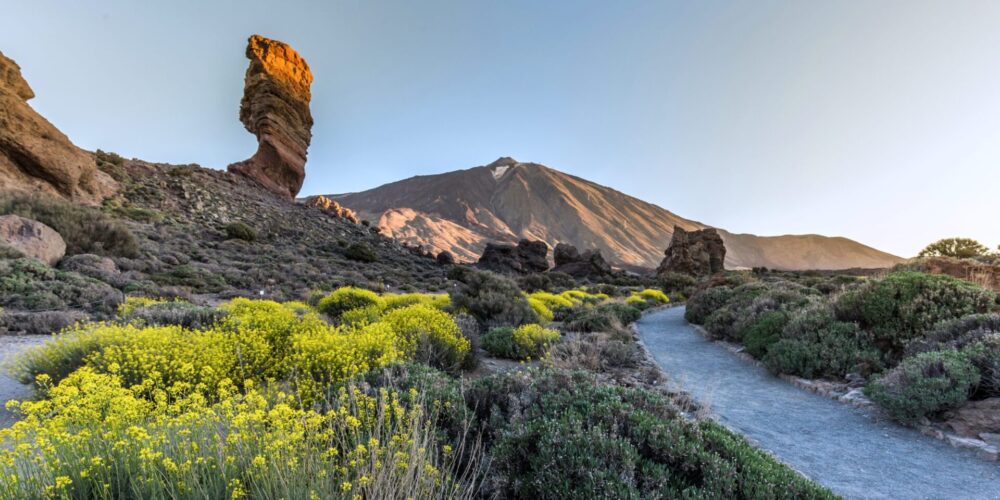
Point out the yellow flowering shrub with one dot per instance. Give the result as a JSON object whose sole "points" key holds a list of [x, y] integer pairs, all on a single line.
{"points": [[524, 342], [136, 302], [344, 299], [91, 437], [541, 309], [428, 335], [648, 297]]}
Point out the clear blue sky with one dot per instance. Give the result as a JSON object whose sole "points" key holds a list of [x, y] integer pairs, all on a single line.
{"points": [[879, 121]]}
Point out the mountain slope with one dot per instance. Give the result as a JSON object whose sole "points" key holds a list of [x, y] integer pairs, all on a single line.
{"points": [[507, 200]]}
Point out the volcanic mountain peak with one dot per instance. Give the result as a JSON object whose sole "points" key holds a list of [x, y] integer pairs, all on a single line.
{"points": [[508, 200]]}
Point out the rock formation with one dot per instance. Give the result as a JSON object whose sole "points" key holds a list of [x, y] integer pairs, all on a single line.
{"points": [[35, 156], [332, 207], [975, 418], [527, 257], [32, 238], [589, 264], [695, 253], [564, 253], [445, 258], [985, 274], [275, 108]]}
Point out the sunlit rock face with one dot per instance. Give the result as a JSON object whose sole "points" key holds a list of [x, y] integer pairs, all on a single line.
{"points": [[275, 108], [35, 156]]}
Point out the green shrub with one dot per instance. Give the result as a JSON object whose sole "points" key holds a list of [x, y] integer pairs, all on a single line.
{"points": [[523, 342], [344, 299], [702, 304], [492, 299], [560, 434], [84, 229], [925, 385], [764, 333], [956, 333], [985, 356], [903, 306], [240, 231], [814, 344], [360, 252], [677, 283], [172, 313], [602, 317]]}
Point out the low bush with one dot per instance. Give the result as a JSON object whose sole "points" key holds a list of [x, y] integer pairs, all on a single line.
{"points": [[603, 317], [428, 335], [360, 252], [240, 231], [492, 299], [30, 285], [814, 344], [524, 342], [84, 229], [344, 299], [560, 434], [925, 385], [764, 333], [985, 356], [703, 304], [903, 306], [162, 313], [956, 333]]}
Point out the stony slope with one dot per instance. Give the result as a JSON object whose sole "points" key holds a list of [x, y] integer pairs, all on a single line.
{"points": [[506, 200]]}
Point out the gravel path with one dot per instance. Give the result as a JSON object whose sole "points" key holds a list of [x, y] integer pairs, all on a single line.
{"points": [[839, 446], [10, 346]]}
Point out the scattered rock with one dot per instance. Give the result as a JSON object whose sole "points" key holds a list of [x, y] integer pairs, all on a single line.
{"points": [[32, 238], [527, 257], [35, 156], [445, 258], [332, 207], [695, 253], [589, 264], [975, 418], [855, 380], [275, 108]]}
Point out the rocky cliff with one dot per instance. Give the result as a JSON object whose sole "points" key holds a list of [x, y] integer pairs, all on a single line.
{"points": [[275, 108], [34, 155]]}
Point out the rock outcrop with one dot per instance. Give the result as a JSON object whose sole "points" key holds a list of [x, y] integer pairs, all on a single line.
{"points": [[526, 257], [975, 418], [589, 264], [32, 238], [275, 108], [35, 156], [695, 253], [564, 253], [984, 274], [332, 207]]}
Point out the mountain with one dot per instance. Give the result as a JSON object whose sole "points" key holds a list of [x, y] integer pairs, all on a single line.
{"points": [[507, 200]]}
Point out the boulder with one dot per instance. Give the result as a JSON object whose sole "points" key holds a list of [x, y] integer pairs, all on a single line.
{"points": [[275, 108], [35, 156], [589, 264], [975, 418], [332, 207], [695, 253], [526, 257], [564, 253], [32, 238], [445, 258]]}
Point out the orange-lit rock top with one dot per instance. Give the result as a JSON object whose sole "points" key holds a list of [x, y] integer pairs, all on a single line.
{"points": [[275, 108]]}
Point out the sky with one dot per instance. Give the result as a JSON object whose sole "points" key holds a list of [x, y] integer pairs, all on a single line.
{"points": [[878, 121]]}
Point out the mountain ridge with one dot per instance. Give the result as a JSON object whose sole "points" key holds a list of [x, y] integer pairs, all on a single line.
{"points": [[506, 200]]}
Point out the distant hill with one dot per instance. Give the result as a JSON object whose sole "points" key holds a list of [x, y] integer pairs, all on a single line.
{"points": [[507, 200]]}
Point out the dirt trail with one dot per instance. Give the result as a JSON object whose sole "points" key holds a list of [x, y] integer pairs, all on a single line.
{"points": [[841, 447], [10, 346]]}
